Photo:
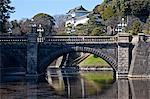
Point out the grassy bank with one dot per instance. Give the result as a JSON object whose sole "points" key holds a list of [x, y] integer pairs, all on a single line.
{"points": [[93, 61], [103, 77], [97, 82]]}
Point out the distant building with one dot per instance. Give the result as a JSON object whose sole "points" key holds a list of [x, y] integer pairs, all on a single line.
{"points": [[77, 16]]}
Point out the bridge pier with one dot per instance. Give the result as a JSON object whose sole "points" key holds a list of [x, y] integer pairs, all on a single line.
{"points": [[32, 48], [123, 89], [123, 55]]}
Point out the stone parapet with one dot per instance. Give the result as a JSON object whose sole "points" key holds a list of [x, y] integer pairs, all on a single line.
{"points": [[123, 38]]}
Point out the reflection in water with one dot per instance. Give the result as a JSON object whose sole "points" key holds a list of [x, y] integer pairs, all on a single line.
{"points": [[74, 85]]}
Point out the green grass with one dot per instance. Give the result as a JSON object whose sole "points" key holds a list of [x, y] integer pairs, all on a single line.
{"points": [[104, 77], [93, 61]]}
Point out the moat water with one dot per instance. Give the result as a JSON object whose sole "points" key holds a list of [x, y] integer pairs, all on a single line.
{"points": [[76, 85]]}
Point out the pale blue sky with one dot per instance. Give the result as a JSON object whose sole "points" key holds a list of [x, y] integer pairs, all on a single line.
{"points": [[28, 8]]}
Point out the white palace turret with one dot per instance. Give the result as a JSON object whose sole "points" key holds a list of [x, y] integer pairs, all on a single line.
{"points": [[77, 16]]}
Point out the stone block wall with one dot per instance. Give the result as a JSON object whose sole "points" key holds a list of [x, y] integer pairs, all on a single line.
{"points": [[140, 66], [32, 48], [123, 54], [123, 59]]}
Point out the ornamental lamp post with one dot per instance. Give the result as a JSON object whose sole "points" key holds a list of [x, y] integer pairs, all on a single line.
{"points": [[33, 26], [121, 26], [40, 30]]}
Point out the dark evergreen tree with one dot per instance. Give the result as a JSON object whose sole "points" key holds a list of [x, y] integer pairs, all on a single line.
{"points": [[46, 21], [136, 27], [95, 25], [5, 10]]}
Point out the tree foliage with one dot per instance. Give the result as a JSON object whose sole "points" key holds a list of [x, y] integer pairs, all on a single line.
{"points": [[113, 10], [24, 26], [15, 27], [20, 27], [94, 26], [5, 10], [60, 24], [139, 8], [147, 26], [81, 29], [46, 21], [93, 22], [107, 13], [97, 31], [136, 27]]}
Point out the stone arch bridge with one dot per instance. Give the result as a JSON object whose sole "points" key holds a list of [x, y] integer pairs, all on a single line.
{"points": [[35, 53]]}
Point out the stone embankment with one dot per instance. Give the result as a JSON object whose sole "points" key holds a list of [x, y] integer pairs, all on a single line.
{"points": [[140, 65]]}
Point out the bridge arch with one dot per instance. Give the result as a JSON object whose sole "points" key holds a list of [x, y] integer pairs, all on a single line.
{"points": [[51, 57]]}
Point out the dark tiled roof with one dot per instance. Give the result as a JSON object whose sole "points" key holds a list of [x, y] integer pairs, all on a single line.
{"points": [[76, 9]]}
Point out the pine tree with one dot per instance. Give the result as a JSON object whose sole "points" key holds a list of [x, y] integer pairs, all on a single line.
{"points": [[5, 10], [136, 27]]}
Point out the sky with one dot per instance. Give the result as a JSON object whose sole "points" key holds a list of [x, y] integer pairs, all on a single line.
{"points": [[29, 8]]}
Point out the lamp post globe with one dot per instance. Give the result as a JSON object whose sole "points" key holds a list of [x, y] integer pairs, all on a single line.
{"points": [[40, 30], [33, 26]]}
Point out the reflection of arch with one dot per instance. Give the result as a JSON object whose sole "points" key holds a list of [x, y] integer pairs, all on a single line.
{"points": [[43, 65]]}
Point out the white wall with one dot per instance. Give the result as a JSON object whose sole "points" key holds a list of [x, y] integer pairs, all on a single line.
{"points": [[81, 21], [77, 21]]}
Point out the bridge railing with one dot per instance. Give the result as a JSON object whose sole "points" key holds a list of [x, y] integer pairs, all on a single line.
{"points": [[13, 39], [81, 39], [64, 39]]}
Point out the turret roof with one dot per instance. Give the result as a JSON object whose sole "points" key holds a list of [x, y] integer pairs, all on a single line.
{"points": [[76, 9]]}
